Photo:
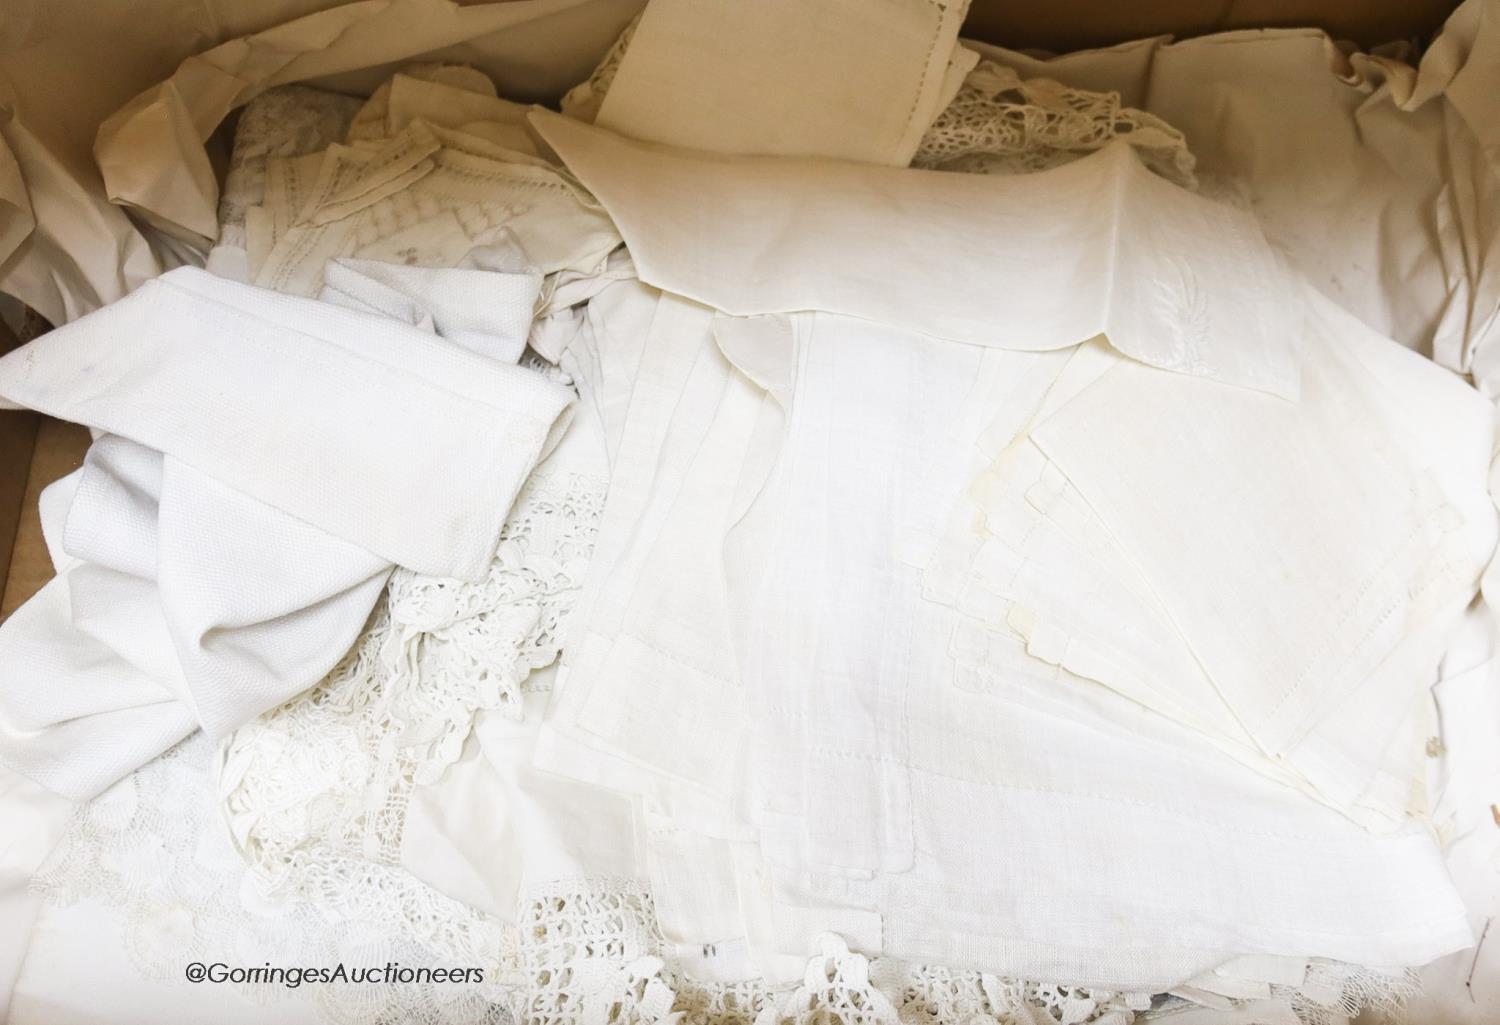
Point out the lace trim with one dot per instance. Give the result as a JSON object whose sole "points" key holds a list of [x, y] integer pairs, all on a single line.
{"points": [[584, 99], [594, 945], [996, 124], [591, 952], [584, 952], [457, 648], [329, 773]]}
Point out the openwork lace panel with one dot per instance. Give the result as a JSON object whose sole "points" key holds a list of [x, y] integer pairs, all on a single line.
{"points": [[999, 124], [314, 795], [585, 952], [331, 771]]}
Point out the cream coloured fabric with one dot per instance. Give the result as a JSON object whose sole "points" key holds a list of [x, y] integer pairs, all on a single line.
{"points": [[1398, 578], [852, 81], [1042, 545], [450, 96], [884, 752], [853, 222], [1404, 166], [1391, 210], [604, 702], [862, 802]]}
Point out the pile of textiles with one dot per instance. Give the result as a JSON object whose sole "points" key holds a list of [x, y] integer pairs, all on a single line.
{"points": [[829, 527]]}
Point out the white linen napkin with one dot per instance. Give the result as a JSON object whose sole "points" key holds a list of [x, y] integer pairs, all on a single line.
{"points": [[266, 460], [330, 415]]}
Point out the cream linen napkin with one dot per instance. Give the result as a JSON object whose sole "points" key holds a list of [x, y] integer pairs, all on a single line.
{"points": [[1320, 599], [853, 81]]}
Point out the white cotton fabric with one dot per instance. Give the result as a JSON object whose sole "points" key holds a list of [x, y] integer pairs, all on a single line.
{"points": [[1391, 211], [1357, 608], [901, 761], [851, 82], [189, 364], [1042, 544], [424, 195], [790, 235], [887, 749], [192, 606], [196, 598], [485, 311], [495, 827]]}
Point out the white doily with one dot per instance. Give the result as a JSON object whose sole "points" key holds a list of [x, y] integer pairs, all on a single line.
{"points": [[591, 953]]}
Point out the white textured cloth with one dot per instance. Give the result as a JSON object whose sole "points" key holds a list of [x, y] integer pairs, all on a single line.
{"points": [[452, 96], [234, 380], [193, 605], [231, 531], [485, 311]]}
